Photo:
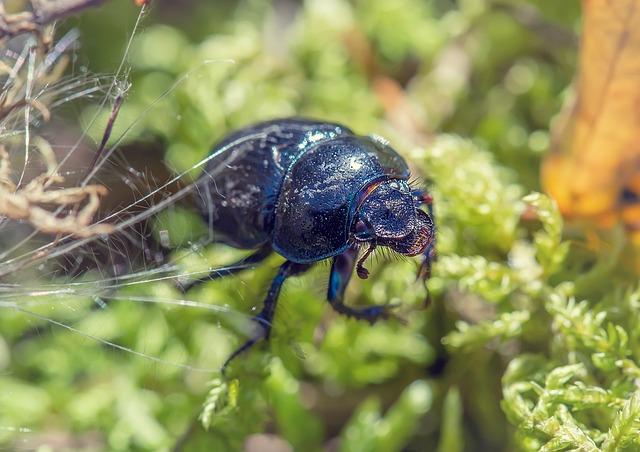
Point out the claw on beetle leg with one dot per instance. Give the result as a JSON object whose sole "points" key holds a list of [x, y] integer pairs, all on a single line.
{"points": [[363, 273]]}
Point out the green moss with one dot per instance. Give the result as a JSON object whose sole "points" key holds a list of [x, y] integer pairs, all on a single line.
{"points": [[531, 341]]}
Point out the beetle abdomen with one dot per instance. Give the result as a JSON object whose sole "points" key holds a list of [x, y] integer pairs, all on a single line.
{"points": [[238, 189]]}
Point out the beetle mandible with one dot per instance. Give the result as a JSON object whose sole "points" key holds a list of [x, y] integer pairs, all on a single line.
{"points": [[311, 190]]}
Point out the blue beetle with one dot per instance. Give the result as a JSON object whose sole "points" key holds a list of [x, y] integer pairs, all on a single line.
{"points": [[310, 191]]}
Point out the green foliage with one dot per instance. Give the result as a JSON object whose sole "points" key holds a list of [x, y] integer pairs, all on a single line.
{"points": [[302, 429], [550, 250], [532, 342], [221, 400], [508, 325], [624, 429], [368, 430], [451, 435], [586, 396], [477, 199]]}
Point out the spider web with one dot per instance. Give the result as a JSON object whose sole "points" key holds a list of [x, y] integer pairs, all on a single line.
{"points": [[56, 279]]}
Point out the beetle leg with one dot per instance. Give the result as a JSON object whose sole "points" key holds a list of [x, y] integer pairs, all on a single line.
{"points": [[341, 271], [362, 272], [429, 254], [265, 318], [231, 269], [423, 198], [428, 257]]}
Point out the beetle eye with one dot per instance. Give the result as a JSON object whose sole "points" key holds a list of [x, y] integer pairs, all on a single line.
{"points": [[361, 231]]}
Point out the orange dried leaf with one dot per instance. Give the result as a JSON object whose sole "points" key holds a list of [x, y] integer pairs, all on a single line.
{"points": [[595, 153]]}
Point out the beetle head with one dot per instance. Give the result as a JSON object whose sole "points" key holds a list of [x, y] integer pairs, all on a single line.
{"points": [[388, 216]]}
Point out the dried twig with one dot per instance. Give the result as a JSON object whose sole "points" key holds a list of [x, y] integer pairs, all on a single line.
{"points": [[27, 203], [44, 12], [31, 84], [107, 131]]}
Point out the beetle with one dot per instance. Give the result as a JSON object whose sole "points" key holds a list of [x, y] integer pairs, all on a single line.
{"points": [[309, 191]]}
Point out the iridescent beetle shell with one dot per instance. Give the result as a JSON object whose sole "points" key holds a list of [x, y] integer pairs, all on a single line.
{"points": [[312, 190], [292, 183]]}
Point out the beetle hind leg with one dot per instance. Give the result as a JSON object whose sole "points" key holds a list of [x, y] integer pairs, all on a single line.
{"points": [[264, 319], [341, 271]]}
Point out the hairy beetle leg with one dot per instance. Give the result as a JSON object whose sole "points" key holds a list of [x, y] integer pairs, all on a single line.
{"points": [[363, 273], [341, 271], [231, 269], [264, 319]]}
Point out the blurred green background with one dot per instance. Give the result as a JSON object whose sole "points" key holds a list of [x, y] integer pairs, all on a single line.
{"points": [[530, 342]]}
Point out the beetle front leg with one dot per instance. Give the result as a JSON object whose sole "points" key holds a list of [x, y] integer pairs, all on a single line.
{"points": [[429, 255], [264, 319], [341, 271], [422, 198]]}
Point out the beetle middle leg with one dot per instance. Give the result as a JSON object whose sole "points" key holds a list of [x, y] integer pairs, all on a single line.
{"points": [[265, 318], [341, 271], [231, 269]]}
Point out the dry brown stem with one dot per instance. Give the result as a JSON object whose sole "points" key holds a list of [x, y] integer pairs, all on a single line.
{"points": [[44, 12], [27, 203]]}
